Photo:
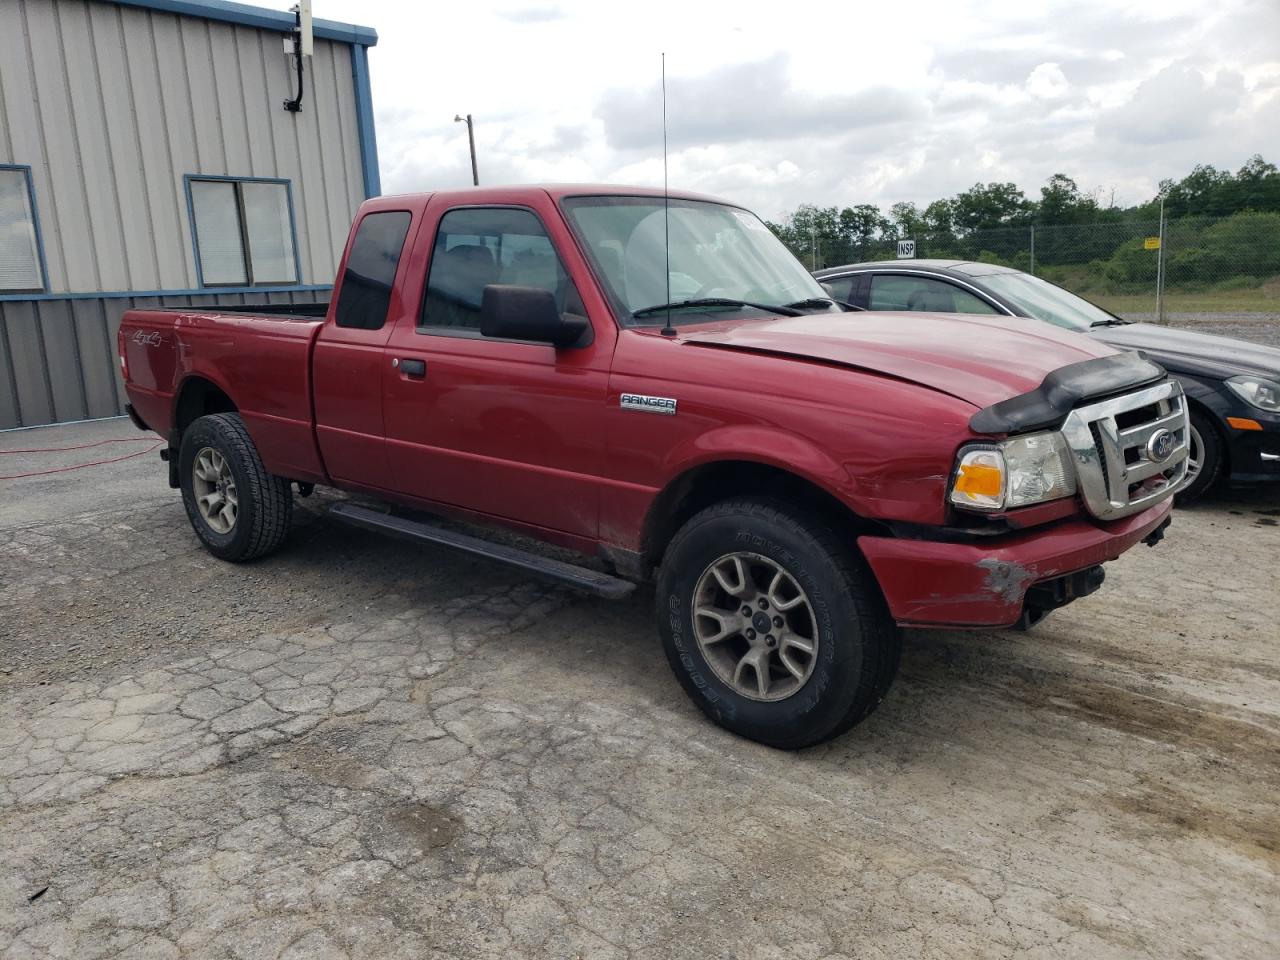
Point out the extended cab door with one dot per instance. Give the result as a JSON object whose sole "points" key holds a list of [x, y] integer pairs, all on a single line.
{"points": [[507, 428], [347, 362]]}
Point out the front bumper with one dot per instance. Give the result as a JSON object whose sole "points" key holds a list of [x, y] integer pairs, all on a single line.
{"points": [[929, 583], [1254, 454]]}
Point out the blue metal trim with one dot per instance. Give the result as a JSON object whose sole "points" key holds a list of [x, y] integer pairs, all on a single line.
{"points": [[293, 232], [364, 121], [191, 222], [198, 292], [35, 220], [263, 19], [191, 219]]}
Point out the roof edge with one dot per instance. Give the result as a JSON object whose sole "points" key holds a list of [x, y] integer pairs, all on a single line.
{"points": [[259, 17]]}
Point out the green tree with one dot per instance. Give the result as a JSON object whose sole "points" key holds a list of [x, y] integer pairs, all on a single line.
{"points": [[1061, 202], [862, 225], [907, 220], [991, 206], [939, 222]]}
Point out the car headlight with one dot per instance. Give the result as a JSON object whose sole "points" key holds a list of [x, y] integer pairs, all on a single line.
{"points": [[1015, 473], [1257, 391]]}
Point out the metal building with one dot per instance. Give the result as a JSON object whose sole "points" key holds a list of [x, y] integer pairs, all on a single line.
{"points": [[147, 158]]}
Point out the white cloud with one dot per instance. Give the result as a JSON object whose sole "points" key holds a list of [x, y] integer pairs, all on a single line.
{"points": [[811, 101], [1048, 82]]}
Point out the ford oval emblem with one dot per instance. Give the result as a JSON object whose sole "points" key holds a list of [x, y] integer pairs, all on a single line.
{"points": [[1160, 446]]}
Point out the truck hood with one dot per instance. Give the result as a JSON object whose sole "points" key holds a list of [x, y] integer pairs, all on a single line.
{"points": [[980, 359], [1186, 351]]}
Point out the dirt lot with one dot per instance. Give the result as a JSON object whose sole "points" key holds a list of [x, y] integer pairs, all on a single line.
{"points": [[360, 749]]}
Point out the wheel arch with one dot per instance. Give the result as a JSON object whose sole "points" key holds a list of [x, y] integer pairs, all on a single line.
{"points": [[198, 396], [705, 484]]}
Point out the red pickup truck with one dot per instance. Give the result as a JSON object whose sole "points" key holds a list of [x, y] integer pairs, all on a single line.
{"points": [[656, 382]]}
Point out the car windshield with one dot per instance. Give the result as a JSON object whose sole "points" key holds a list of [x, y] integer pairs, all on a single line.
{"points": [[1046, 301], [721, 256]]}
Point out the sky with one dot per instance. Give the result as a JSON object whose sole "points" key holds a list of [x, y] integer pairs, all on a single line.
{"points": [[774, 105]]}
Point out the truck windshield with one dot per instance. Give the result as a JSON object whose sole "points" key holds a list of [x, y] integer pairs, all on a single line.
{"points": [[722, 257], [1046, 301]]}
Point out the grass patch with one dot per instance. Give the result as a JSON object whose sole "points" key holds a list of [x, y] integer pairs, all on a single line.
{"points": [[1231, 296]]}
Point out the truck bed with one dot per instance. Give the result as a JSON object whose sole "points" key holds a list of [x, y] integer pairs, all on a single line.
{"points": [[260, 355]]}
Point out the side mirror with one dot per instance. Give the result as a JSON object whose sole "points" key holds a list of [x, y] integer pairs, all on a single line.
{"points": [[528, 313]]}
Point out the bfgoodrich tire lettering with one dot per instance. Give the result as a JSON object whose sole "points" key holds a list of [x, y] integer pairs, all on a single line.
{"points": [[857, 645], [264, 502]]}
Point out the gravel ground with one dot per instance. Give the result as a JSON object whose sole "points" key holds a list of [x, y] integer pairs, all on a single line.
{"points": [[360, 749]]}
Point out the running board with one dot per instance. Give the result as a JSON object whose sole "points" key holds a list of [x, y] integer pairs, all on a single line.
{"points": [[581, 578]]}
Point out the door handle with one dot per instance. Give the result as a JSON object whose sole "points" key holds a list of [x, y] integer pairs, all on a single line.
{"points": [[411, 368]]}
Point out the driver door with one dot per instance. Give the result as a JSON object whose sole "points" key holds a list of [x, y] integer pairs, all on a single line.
{"points": [[511, 429]]}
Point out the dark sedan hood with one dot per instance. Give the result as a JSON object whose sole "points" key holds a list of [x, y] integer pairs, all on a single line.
{"points": [[1185, 351]]}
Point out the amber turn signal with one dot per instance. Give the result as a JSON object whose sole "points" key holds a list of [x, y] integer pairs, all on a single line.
{"points": [[979, 479], [1244, 423]]}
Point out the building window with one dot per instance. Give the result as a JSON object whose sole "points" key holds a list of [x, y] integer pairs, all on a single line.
{"points": [[243, 231], [20, 262]]}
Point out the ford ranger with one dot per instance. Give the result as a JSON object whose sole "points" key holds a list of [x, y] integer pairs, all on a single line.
{"points": [[654, 381]]}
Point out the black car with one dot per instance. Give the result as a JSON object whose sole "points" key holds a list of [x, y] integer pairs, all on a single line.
{"points": [[1233, 386]]}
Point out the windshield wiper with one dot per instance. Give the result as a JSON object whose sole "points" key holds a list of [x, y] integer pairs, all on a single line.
{"points": [[822, 302], [1114, 322], [786, 310]]}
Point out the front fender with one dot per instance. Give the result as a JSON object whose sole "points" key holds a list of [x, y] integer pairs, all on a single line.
{"points": [[766, 445]]}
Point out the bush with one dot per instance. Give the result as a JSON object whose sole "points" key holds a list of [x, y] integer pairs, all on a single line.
{"points": [[1130, 268], [1246, 244], [1196, 266]]}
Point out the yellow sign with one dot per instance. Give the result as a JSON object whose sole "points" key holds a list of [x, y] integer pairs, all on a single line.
{"points": [[1151, 243]]}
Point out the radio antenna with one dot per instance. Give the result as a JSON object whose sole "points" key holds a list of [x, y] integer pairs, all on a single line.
{"points": [[668, 330]]}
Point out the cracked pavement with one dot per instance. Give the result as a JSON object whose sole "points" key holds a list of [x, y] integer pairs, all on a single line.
{"points": [[359, 749]]}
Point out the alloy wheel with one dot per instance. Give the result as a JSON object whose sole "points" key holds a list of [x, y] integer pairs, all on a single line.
{"points": [[1195, 456], [755, 626], [214, 487]]}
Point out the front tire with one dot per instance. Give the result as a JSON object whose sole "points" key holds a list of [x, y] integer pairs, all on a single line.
{"points": [[1205, 463], [237, 509], [773, 626]]}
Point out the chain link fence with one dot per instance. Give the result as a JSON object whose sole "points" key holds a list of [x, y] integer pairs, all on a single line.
{"points": [[1142, 270]]}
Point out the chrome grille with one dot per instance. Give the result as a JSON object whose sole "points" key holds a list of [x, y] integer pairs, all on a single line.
{"points": [[1117, 471]]}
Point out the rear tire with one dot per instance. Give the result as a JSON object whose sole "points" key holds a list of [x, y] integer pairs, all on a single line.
{"points": [[745, 557], [238, 510], [1206, 455]]}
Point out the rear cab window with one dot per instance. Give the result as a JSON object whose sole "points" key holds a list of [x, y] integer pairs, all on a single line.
{"points": [[371, 268]]}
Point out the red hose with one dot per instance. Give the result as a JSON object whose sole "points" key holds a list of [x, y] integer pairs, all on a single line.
{"points": [[79, 466]]}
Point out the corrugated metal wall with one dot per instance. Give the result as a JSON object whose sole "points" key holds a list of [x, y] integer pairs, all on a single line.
{"points": [[58, 357], [112, 105]]}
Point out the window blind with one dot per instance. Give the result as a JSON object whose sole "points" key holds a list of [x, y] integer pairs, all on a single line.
{"points": [[266, 214], [19, 254], [219, 242]]}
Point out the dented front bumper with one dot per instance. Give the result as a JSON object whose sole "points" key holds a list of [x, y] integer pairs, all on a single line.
{"points": [[930, 583]]}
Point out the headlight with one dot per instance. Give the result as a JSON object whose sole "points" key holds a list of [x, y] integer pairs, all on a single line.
{"points": [[1257, 392], [1016, 473]]}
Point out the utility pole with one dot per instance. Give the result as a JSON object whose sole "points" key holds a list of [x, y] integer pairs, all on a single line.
{"points": [[471, 138]]}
